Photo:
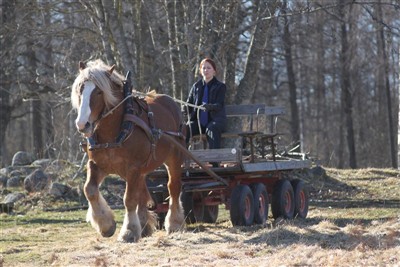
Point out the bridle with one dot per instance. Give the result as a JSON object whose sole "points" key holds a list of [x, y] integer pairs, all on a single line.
{"points": [[131, 116]]}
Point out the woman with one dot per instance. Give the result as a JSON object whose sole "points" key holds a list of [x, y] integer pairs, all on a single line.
{"points": [[209, 93]]}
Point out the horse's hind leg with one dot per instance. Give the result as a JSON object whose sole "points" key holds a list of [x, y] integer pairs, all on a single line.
{"points": [[99, 213], [148, 219], [174, 221]]}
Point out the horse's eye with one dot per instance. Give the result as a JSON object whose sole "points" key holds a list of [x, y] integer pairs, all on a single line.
{"points": [[99, 92]]}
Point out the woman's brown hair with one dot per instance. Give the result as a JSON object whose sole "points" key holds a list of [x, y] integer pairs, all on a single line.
{"points": [[209, 60]]}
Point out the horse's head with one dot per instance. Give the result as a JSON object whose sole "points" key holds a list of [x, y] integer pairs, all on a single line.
{"points": [[93, 92]]}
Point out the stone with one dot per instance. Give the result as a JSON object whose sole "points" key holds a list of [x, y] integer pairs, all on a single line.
{"points": [[59, 190], [4, 171], [318, 172], [3, 181], [22, 158], [14, 181], [13, 197], [21, 170], [43, 163], [36, 181]]}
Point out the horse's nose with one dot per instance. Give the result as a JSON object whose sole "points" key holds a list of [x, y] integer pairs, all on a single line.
{"points": [[81, 125]]}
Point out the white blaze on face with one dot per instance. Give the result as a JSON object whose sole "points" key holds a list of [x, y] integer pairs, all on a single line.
{"points": [[84, 109]]}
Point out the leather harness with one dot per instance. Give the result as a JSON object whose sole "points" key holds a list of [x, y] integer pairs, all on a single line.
{"points": [[130, 119]]}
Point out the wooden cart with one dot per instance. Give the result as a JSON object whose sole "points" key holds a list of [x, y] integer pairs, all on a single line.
{"points": [[250, 177]]}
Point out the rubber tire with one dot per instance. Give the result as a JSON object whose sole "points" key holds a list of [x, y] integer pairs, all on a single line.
{"points": [[242, 206], [261, 202], [192, 206], [283, 200], [210, 214], [301, 198]]}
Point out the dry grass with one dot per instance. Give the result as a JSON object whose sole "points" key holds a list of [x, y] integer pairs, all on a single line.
{"points": [[353, 220]]}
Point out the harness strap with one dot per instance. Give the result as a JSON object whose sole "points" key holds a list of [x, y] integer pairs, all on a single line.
{"points": [[139, 122]]}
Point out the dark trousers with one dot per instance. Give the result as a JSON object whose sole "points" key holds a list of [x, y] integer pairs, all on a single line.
{"points": [[213, 131]]}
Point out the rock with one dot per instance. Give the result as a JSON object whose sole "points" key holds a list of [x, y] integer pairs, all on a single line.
{"points": [[14, 181], [22, 158], [7, 205], [17, 173], [13, 197], [3, 181], [59, 190], [21, 170], [4, 171], [43, 163], [36, 181], [318, 172]]}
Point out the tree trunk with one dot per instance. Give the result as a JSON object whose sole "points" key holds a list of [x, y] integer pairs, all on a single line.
{"points": [[347, 101], [257, 45], [172, 44], [230, 51], [8, 16], [321, 121], [45, 54], [182, 49], [113, 9], [36, 112], [104, 32], [398, 126], [294, 109], [384, 66]]}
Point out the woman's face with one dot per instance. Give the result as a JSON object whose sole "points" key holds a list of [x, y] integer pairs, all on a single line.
{"points": [[207, 71]]}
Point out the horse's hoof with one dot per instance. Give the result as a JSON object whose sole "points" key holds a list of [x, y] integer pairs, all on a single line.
{"points": [[128, 237], [110, 231]]}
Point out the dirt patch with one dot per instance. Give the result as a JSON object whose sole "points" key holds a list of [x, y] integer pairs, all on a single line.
{"points": [[353, 220]]}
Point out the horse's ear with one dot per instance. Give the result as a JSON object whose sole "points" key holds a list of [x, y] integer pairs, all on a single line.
{"points": [[82, 65], [110, 71]]}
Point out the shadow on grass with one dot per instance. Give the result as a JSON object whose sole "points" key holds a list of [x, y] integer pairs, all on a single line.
{"points": [[40, 221], [351, 203]]}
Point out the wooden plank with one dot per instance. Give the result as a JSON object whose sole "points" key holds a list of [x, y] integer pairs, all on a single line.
{"points": [[217, 155], [277, 165], [274, 111], [244, 110]]}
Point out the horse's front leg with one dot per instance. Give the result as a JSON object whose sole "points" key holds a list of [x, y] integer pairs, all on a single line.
{"points": [[131, 229], [99, 213]]}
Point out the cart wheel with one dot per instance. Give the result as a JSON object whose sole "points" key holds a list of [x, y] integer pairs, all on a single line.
{"points": [[283, 200], [192, 203], [260, 203], [210, 214], [301, 198], [242, 206]]}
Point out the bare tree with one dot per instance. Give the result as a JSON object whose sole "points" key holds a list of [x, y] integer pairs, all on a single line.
{"points": [[7, 71], [383, 83], [346, 98], [310, 54], [257, 46], [294, 109]]}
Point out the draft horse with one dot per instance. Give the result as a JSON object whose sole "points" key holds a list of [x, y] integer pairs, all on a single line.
{"points": [[97, 94]]}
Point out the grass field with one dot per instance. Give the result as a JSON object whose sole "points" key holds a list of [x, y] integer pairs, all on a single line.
{"points": [[354, 220]]}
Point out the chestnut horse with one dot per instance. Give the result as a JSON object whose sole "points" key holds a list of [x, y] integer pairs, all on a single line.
{"points": [[98, 90]]}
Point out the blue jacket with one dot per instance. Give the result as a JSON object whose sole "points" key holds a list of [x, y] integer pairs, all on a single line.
{"points": [[216, 100]]}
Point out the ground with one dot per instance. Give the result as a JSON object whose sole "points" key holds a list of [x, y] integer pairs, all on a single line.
{"points": [[354, 220]]}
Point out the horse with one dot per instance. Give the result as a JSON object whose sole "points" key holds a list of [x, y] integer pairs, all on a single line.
{"points": [[97, 95]]}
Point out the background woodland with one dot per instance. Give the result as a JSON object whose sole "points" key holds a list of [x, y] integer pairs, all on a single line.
{"points": [[333, 64]]}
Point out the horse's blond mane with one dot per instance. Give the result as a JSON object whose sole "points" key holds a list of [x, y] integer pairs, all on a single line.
{"points": [[97, 72]]}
